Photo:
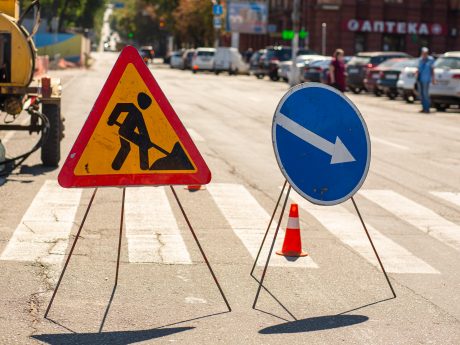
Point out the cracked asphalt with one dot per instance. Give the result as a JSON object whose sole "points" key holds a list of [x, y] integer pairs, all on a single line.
{"points": [[344, 301]]}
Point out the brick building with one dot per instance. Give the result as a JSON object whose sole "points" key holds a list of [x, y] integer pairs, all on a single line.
{"points": [[363, 25]]}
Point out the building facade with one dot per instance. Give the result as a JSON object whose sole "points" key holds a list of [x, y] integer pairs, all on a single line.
{"points": [[365, 25]]}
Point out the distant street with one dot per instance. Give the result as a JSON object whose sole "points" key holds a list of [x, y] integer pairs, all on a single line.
{"points": [[165, 294]]}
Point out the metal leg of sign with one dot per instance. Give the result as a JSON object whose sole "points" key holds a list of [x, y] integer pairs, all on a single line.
{"points": [[373, 247], [122, 214], [200, 248], [261, 282], [268, 228], [77, 236]]}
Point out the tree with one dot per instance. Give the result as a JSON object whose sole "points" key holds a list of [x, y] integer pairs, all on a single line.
{"points": [[194, 24]]}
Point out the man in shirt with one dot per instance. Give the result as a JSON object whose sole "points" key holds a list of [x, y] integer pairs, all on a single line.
{"points": [[425, 76]]}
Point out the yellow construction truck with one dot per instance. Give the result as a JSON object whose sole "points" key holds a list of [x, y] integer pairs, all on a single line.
{"points": [[20, 94]]}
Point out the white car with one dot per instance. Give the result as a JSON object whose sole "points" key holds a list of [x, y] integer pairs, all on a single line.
{"points": [[297, 69], [283, 69], [446, 91], [229, 60], [203, 59], [176, 60], [407, 84]]}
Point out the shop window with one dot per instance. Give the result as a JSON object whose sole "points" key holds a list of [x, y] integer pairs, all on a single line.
{"points": [[360, 43], [393, 43]]}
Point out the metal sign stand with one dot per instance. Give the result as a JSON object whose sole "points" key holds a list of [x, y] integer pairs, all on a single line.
{"points": [[77, 236], [261, 281]]}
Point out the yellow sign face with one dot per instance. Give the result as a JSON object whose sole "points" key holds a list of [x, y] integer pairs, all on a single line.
{"points": [[133, 135]]}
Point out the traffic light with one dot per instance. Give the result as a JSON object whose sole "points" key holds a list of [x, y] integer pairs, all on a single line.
{"points": [[130, 35], [162, 23]]}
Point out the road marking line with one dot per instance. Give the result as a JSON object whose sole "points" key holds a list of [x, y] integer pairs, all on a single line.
{"points": [[151, 228], [389, 143], [347, 227], [45, 228], [249, 221], [194, 134], [417, 215], [453, 198]]}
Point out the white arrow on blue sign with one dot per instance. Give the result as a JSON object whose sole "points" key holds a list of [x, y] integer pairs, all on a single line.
{"points": [[321, 143], [217, 10]]}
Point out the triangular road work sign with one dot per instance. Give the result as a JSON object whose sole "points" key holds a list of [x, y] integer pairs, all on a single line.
{"points": [[133, 136]]}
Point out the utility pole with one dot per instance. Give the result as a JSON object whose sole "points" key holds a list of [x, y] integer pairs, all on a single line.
{"points": [[295, 27], [295, 41], [324, 36]]}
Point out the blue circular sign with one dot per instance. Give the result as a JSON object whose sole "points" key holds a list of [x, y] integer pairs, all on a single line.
{"points": [[321, 143]]}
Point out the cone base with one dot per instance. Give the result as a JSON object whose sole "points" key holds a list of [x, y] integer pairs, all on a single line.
{"points": [[194, 188], [292, 254]]}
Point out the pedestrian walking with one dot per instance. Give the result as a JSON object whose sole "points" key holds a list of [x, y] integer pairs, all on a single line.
{"points": [[425, 76], [337, 71]]}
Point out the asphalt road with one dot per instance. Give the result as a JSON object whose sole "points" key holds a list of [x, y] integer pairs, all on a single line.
{"points": [[165, 294]]}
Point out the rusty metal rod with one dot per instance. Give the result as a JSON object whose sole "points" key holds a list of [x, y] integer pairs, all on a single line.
{"points": [[271, 248], [122, 214], [77, 236], [373, 248], [200, 248], [268, 228]]}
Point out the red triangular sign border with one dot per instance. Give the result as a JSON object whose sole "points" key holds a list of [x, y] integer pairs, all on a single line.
{"points": [[68, 179]]}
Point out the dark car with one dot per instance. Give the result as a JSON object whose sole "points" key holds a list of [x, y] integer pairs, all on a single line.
{"points": [[271, 59], [373, 75], [357, 67], [255, 63], [317, 71], [389, 76]]}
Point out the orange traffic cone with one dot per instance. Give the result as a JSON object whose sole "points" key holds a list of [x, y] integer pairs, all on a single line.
{"points": [[292, 245]]}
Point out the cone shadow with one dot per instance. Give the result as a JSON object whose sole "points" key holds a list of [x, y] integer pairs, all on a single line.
{"points": [[113, 338], [313, 324]]}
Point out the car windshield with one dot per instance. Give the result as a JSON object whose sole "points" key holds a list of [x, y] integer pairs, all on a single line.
{"points": [[359, 60], [405, 63], [448, 62], [390, 63], [283, 54], [205, 53]]}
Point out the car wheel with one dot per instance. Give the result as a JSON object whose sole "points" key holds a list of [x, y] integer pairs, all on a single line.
{"points": [[440, 107], [259, 76], [274, 78], [356, 90], [378, 93], [391, 95]]}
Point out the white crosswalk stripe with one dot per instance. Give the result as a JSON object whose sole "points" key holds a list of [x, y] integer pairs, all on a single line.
{"points": [[151, 228], [347, 227], [195, 135], [249, 221], [453, 198], [417, 215], [43, 233]]}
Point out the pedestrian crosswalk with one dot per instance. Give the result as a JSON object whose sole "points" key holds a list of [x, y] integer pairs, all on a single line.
{"points": [[154, 236]]}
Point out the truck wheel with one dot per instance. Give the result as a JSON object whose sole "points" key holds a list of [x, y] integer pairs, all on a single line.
{"points": [[51, 148]]}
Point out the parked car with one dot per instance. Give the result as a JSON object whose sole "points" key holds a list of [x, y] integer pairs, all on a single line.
{"points": [[255, 63], [229, 60], [302, 62], [317, 71], [148, 52], [373, 75], [407, 84], [283, 70], [187, 57], [203, 59], [389, 76], [357, 67], [175, 60], [272, 58], [446, 91]]}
